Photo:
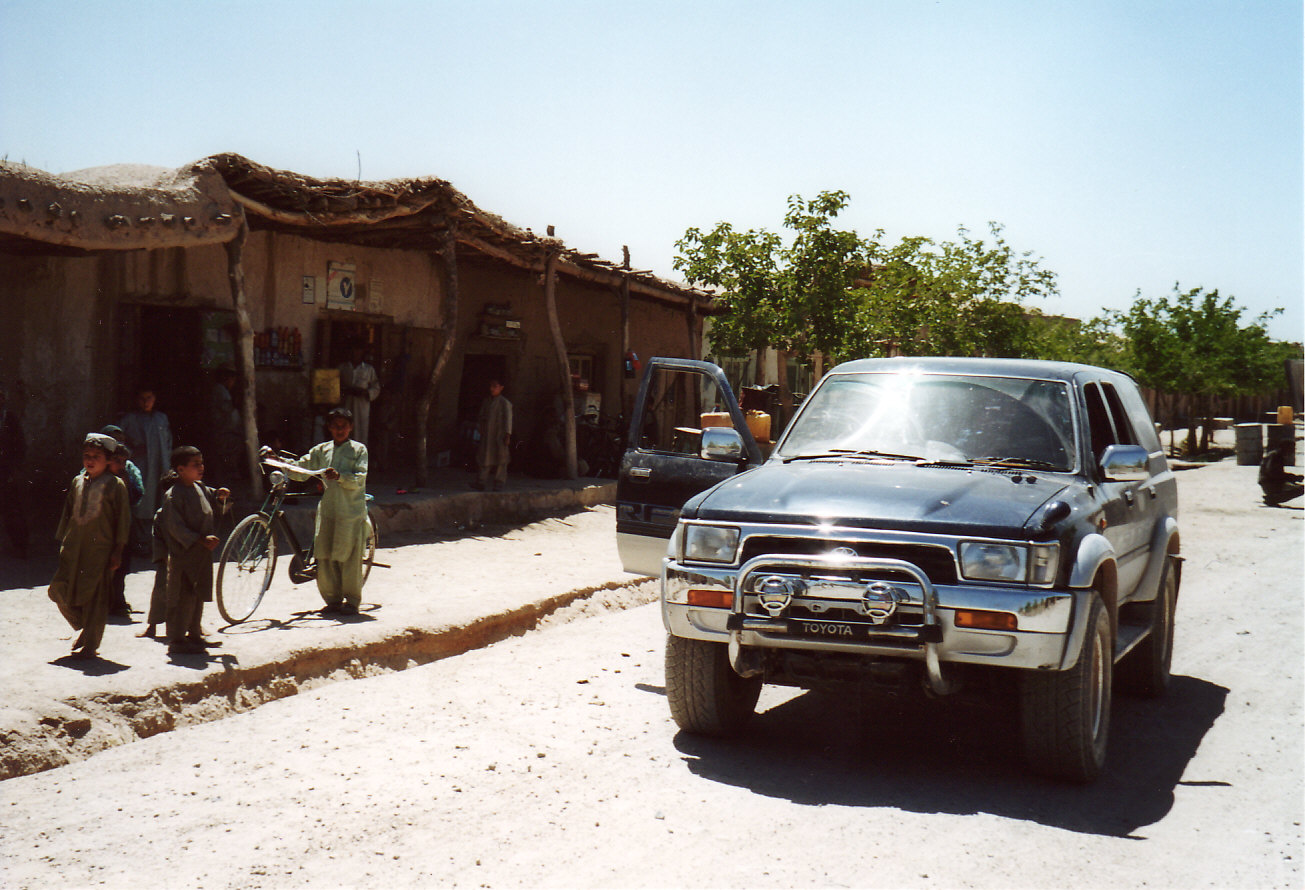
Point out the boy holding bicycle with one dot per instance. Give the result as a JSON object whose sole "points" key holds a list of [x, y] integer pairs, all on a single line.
{"points": [[186, 519], [341, 533]]}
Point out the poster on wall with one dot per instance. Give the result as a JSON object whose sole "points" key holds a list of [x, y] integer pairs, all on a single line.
{"points": [[217, 332], [340, 286]]}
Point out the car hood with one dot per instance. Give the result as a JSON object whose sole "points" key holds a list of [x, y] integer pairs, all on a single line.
{"points": [[898, 495]]}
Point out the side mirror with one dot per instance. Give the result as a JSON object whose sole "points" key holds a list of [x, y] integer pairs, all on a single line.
{"points": [[721, 443], [1125, 463]]}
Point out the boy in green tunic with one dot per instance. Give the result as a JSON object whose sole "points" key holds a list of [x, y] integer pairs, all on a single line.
{"points": [[93, 530], [341, 533]]}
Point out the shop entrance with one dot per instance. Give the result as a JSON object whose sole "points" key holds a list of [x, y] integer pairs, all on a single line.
{"points": [[473, 388]]}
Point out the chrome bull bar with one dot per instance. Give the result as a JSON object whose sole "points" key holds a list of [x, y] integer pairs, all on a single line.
{"points": [[927, 638]]}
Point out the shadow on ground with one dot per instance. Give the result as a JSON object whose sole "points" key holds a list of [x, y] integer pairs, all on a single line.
{"points": [[934, 757]]}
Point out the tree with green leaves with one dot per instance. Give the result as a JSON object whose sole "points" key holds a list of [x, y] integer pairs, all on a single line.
{"points": [[828, 290], [1195, 343]]}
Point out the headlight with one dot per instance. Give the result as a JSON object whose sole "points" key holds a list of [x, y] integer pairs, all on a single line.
{"points": [[275, 478], [1018, 563], [710, 543]]}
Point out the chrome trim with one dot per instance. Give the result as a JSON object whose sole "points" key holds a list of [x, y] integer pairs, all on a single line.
{"points": [[928, 599]]}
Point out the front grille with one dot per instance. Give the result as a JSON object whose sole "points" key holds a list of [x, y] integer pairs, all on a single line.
{"points": [[936, 562]]}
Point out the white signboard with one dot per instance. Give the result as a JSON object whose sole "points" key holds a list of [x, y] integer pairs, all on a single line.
{"points": [[340, 286]]}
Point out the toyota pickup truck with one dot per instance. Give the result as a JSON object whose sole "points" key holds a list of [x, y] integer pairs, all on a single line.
{"points": [[997, 527]]}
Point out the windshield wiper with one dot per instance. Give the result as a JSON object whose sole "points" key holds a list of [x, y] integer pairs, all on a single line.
{"points": [[850, 452], [1028, 463]]}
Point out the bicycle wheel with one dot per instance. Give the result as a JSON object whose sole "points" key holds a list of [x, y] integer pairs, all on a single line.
{"points": [[245, 568], [369, 553]]}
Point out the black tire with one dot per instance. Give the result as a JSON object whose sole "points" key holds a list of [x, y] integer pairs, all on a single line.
{"points": [[245, 568], [369, 552], [1145, 670], [1065, 715], [705, 694]]}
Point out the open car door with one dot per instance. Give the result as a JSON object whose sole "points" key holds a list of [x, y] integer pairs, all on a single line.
{"points": [[663, 465]]}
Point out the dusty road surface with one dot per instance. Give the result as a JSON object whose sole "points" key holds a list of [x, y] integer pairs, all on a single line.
{"points": [[550, 760]]}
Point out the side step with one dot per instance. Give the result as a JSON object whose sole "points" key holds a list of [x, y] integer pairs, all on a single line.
{"points": [[1129, 636]]}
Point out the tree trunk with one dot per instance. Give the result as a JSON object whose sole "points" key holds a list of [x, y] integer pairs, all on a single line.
{"points": [[248, 407], [564, 367], [448, 255]]}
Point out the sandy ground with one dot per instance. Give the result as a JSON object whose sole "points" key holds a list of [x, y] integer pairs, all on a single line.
{"points": [[550, 760], [441, 596]]}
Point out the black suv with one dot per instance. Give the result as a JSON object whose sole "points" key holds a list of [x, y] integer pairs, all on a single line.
{"points": [[956, 523]]}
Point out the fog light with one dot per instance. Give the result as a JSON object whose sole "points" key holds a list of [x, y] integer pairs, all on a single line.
{"points": [[986, 620], [711, 599]]}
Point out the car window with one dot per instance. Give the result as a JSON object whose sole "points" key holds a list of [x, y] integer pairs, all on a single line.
{"points": [[1143, 426], [1099, 424], [678, 405], [1123, 428], [937, 417]]}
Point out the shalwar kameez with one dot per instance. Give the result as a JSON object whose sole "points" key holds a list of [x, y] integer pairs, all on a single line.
{"points": [[95, 520], [341, 531]]}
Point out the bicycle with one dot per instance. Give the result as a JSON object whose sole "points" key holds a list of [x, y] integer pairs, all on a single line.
{"points": [[248, 558]]}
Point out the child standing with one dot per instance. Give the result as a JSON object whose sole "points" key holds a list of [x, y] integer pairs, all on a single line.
{"points": [[188, 528], [158, 612], [495, 427], [93, 531], [124, 469]]}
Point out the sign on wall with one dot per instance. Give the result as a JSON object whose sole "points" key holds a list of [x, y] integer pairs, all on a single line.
{"points": [[341, 286]]}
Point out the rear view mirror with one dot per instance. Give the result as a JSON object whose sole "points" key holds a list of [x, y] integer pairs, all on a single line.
{"points": [[721, 443], [1125, 463]]}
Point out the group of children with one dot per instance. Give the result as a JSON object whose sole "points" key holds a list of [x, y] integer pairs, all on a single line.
{"points": [[94, 534], [95, 530]]}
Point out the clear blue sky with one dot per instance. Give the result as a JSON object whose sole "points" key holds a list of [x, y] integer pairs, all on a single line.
{"points": [[1129, 144]]}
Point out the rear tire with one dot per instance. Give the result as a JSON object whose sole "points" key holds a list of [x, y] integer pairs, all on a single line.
{"points": [[369, 550], [245, 568], [705, 694], [1145, 670], [1065, 715]]}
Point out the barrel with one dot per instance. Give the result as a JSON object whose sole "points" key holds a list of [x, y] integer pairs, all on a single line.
{"points": [[1283, 432], [1250, 444]]}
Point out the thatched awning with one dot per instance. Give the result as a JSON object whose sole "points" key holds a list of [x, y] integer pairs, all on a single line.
{"points": [[130, 208]]}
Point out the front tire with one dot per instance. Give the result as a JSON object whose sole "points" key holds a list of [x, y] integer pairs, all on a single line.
{"points": [[245, 568], [705, 694], [1065, 715]]}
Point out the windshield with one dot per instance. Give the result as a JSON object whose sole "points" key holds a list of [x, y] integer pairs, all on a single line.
{"points": [[1008, 421]]}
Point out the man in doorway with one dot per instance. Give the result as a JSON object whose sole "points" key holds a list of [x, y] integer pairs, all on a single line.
{"points": [[495, 427], [359, 387], [149, 436]]}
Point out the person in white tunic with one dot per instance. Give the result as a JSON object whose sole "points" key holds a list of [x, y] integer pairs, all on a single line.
{"points": [[359, 387], [341, 532]]}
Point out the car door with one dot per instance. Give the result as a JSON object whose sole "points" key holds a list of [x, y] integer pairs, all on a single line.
{"points": [[663, 466], [1128, 505]]}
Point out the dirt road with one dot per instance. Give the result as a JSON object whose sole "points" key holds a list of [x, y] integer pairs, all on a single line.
{"points": [[550, 760]]}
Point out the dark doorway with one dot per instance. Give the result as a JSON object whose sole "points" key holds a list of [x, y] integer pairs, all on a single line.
{"points": [[171, 345], [477, 371]]}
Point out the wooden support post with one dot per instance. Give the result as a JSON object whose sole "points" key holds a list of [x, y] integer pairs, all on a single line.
{"points": [[248, 407], [448, 256], [627, 399], [564, 367]]}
